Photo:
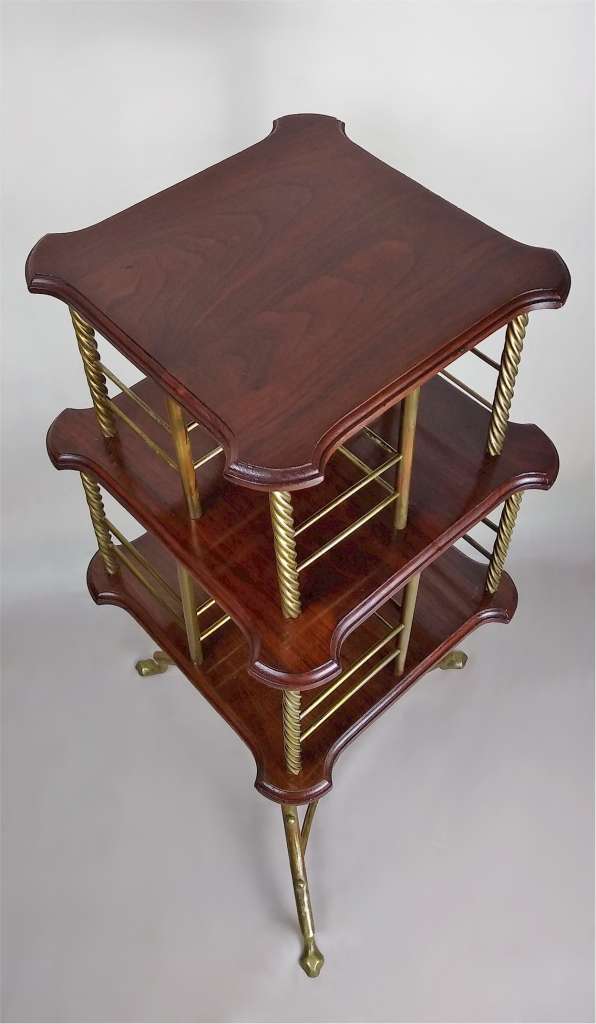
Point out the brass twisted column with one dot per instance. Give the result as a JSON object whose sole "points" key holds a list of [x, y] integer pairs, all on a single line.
{"points": [[514, 341], [502, 541], [98, 518], [282, 520], [290, 703], [85, 336], [312, 959]]}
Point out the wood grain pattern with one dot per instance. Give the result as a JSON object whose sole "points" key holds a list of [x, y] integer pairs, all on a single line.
{"points": [[451, 603], [292, 293], [230, 552]]}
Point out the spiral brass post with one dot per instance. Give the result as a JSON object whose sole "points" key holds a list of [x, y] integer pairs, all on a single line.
{"points": [[98, 518], [312, 959], [85, 336], [282, 520], [514, 341], [290, 704], [502, 541]]}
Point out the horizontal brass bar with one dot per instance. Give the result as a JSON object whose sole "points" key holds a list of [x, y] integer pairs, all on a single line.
{"points": [[364, 466], [373, 672], [191, 426], [137, 571], [207, 458], [213, 628], [345, 495], [474, 543], [145, 563], [353, 668], [339, 537], [148, 440], [464, 387], [383, 620], [380, 441], [136, 398], [206, 606], [491, 525], [486, 359]]}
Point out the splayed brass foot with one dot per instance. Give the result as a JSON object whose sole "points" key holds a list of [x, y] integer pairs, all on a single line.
{"points": [[312, 959], [455, 659], [155, 665]]}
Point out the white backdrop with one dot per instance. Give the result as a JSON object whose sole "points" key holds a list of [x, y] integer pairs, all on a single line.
{"points": [[490, 105]]}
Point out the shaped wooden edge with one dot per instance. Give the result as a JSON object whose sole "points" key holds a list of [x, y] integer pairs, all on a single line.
{"points": [[265, 742]]}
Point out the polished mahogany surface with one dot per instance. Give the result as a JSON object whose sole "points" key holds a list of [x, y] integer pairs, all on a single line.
{"points": [[451, 602], [292, 293], [230, 549]]}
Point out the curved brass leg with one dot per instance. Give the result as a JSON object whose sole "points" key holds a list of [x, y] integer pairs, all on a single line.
{"points": [[312, 959], [455, 659], [160, 662]]}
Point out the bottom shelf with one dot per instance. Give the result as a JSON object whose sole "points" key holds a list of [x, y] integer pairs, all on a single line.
{"points": [[451, 603]]}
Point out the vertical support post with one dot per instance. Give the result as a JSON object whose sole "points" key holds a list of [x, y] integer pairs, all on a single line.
{"points": [[284, 540], [98, 518], [408, 607], [407, 435], [184, 457], [85, 336], [307, 824], [312, 959], [502, 541], [189, 609], [290, 704], [512, 350]]}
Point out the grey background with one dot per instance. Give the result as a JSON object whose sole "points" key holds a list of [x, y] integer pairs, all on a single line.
{"points": [[143, 880]]}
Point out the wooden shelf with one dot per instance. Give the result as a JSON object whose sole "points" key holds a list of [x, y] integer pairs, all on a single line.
{"points": [[230, 552], [290, 294], [451, 603]]}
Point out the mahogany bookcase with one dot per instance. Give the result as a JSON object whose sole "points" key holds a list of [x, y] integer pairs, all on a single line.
{"points": [[304, 466]]}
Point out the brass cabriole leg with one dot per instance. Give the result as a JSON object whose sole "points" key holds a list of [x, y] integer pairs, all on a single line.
{"points": [[502, 541], [184, 457], [98, 518], [290, 704], [514, 341], [407, 617], [284, 540], [95, 379], [407, 434], [189, 608], [154, 666], [312, 959]]}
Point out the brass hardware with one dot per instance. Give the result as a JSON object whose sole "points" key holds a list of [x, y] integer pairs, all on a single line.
{"points": [[214, 627], [290, 705], [407, 617], [453, 660], [502, 541], [312, 959], [184, 456], [207, 458], [486, 359], [364, 466], [307, 824], [339, 537], [465, 387], [347, 696], [478, 547], [348, 493], [490, 524], [189, 608], [407, 435], [380, 441], [100, 523], [85, 336], [354, 668], [157, 449], [135, 566], [136, 398], [160, 662], [282, 521], [514, 341], [174, 598]]}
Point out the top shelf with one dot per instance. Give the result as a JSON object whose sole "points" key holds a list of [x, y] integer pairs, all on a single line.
{"points": [[290, 294]]}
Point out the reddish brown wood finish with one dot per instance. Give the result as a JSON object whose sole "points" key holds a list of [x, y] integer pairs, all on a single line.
{"points": [[290, 294], [230, 552], [451, 603]]}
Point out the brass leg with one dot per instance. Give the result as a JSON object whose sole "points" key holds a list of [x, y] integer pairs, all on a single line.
{"points": [[154, 666], [184, 456], [189, 608], [290, 704], [282, 520], [307, 824], [502, 541], [98, 518], [407, 617], [312, 959], [514, 341], [454, 659], [95, 379], [407, 435]]}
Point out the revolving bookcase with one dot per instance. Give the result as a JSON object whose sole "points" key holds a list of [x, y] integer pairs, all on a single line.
{"points": [[306, 470]]}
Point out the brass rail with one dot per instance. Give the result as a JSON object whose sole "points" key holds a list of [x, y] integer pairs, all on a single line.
{"points": [[85, 336], [514, 341], [502, 541]]}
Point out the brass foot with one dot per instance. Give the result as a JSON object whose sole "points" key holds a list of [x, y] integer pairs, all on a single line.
{"points": [[312, 959], [455, 659], [155, 665]]}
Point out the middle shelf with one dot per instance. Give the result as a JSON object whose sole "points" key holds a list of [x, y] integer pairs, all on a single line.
{"points": [[229, 549]]}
